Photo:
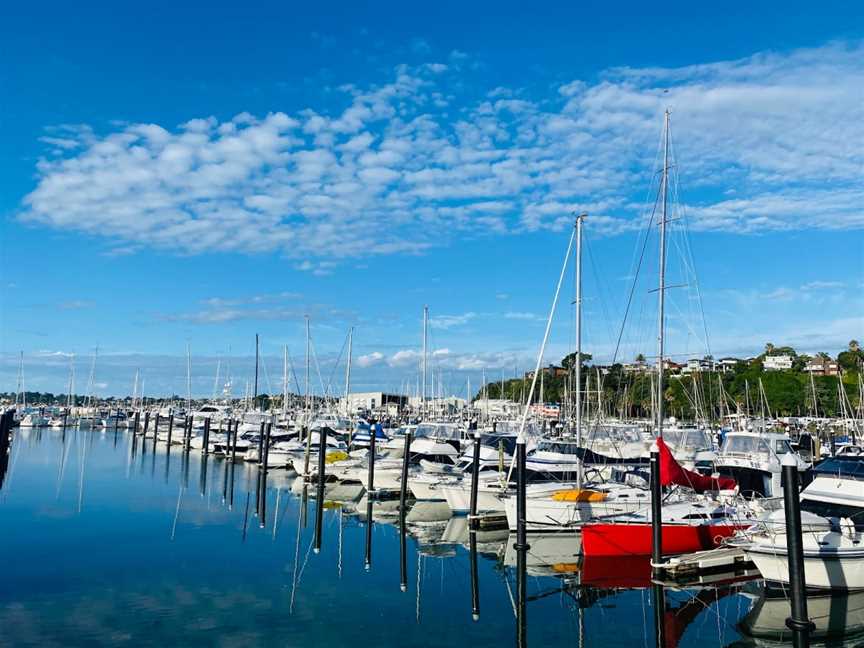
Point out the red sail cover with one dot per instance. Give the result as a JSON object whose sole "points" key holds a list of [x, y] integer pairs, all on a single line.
{"points": [[671, 472]]}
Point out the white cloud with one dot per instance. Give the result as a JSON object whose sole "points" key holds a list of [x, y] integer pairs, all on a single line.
{"points": [[370, 359], [398, 171], [450, 321]]}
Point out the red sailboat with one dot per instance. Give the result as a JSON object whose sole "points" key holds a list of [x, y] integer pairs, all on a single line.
{"points": [[687, 526]]}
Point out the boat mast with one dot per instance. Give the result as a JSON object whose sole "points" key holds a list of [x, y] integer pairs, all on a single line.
{"points": [[21, 382], [578, 375], [255, 389], [90, 381], [815, 402], [308, 402], [423, 381], [284, 380], [661, 295], [348, 368], [188, 378]]}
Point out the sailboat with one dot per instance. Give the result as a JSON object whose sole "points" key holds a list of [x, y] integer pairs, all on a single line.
{"points": [[688, 524]]}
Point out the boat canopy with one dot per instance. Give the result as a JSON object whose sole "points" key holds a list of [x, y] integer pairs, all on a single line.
{"points": [[842, 466], [440, 431]]}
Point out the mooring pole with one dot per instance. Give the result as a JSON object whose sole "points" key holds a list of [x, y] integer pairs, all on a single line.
{"points": [[135, 420], [146, 424], [187, 434], [205, 448], [656, 509], [799, 622], [473, 519], [262, 518], [261, 444], [170, 430], [155, 432], [370, 478], [403, 496], [521, 546], [319, 504]]}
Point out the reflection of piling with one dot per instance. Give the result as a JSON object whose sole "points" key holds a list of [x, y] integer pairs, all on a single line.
{"points": [[203, 480], [233, 459], [319, 503], [799, 623], [475, 581], [6, 421], [656, 509], [367, 561], [658, 601], [403, 496], [473, 521]]}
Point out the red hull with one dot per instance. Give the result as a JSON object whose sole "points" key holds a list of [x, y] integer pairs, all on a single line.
{"points": [[635, 539]]}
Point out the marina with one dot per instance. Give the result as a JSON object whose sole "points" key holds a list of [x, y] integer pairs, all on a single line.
{"points": [[148, 543], [447, 325]]}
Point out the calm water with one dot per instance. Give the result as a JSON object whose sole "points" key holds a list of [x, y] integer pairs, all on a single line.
{"points": [[105, 544]]}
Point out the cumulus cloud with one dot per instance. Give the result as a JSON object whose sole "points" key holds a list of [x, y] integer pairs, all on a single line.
{"points": [[370, 359], [399, 171]]}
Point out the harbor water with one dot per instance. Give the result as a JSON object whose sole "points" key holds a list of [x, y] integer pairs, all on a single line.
{"points": [[108, 541]]}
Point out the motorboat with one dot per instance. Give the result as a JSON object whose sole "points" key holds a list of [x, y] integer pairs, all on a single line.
{"points": [[832, 520], [753, 459]]}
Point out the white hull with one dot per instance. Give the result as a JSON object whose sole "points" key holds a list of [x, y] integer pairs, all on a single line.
{"points": [[458, 496], [823, 572]]}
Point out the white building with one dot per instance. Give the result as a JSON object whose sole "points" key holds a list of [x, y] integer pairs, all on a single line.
{"points": [[368, 401], [496, 407], [777, 363]]}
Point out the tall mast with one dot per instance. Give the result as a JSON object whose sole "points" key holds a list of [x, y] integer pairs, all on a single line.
{"points": [[308, 402], [134, 388], [578, 376], [255, 389], [284, 379], [425, 333], [21, 382], [661, 299], [188, 378], [92, 378], [216, 381], [815, 402], [348, 369]]}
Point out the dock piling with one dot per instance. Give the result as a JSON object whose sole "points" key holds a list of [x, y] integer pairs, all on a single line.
{"points": [[473, 521], [319, 504], [656, 509], [403, 496], [799, 622]]}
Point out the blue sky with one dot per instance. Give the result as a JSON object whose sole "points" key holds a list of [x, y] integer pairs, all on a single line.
{"points": [[182, 174]]}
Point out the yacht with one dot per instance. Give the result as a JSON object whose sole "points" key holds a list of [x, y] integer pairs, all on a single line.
{"points": [[832, 520], [753, 459]]}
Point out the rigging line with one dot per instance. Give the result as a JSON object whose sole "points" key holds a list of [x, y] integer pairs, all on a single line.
{"points": [[601, 296], [636, 277], [336, 364], [686, 227], [266, 374]]}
